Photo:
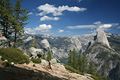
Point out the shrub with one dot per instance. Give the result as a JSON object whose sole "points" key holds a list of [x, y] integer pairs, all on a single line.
{"points": [[34, 60], [13, 55], [49, 55]]}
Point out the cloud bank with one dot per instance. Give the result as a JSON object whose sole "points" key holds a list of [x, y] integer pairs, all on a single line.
{"points": [[56, 11], [96, 25], [37, 30], [47, 9]]}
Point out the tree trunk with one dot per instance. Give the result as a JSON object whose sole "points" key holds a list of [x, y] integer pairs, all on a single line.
{"points": [[50, 65], [15, 40]]}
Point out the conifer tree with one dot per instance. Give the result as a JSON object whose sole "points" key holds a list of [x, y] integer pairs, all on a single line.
{"points": [[6, 18], [82, 63], [72, 58], [12, 20], [74, 52], [21, 17]]}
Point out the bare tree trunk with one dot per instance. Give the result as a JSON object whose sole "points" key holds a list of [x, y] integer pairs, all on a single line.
{"points": [[15, 40], [50, 65]]}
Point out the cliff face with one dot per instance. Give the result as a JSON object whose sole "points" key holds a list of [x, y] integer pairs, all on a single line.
{"points": [[60, 46], [45, 44], [102, 38], [105, 59]]}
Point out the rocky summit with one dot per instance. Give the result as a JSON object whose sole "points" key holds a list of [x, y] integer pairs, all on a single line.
{"points": [[102, 38]]}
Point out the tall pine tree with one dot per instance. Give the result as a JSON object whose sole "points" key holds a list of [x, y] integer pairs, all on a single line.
{"points": [[12, 20], [21, 17]]}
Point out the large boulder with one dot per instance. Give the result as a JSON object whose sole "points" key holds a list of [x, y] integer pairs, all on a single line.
{"points": [[44, 62], [34, 51]]}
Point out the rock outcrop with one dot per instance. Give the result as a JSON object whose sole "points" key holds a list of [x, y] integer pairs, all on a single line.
{"points": [[102, 38], [45, 44], [103, 58], [75, 43], [34, 51], [28, 39]]}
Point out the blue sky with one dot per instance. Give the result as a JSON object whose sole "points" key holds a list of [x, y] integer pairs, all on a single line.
{"points": [[72, 17]]}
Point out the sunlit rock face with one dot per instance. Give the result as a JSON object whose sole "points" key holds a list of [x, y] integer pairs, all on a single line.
{"points": [[75, 43], [28, 39], [45, 44], [34, 51], [102, 38]]}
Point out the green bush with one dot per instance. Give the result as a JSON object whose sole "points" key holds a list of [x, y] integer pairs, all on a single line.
{"points": [[34, 60], [13, 55]]}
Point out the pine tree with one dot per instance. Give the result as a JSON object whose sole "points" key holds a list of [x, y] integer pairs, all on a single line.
{"points": [[6, 18], [21, 17], [72, 58], [10, 23], [82, 63], [74, 63]]}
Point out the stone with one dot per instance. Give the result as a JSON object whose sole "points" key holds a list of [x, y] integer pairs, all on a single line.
{"points": [[44, 62], [35, 51], [53, 61]]}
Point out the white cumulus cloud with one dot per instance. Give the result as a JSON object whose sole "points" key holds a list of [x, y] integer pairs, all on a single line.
{"points": [[57, 11], [43, 27], [105, 26], [37, 30], [44, 18]]}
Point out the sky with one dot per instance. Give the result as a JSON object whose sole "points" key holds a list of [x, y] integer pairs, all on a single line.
{"points": [[72, 17]]}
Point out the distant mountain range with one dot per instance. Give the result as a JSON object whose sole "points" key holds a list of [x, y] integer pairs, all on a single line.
{"points": [[102, 49]]}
